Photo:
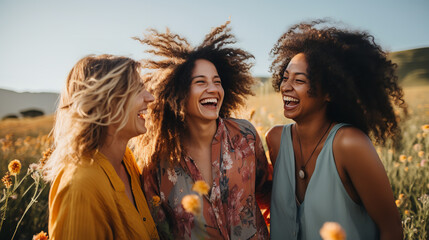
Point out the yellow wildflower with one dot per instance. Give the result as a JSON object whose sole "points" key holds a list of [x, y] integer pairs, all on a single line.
{"points": [[191, 204], [407, 212], [41, 236], [406, 169], [402, 158], [201, 187], [421, 154], [46, 154], [425, 128], [332, 231], [401, 196], [398, 203], [410, 158], [155, 201], [14, 167], [6, 180]]}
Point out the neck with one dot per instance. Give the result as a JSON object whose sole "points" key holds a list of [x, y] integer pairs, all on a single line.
{"points": [[114, 150], [310, 130], [199, 134]]}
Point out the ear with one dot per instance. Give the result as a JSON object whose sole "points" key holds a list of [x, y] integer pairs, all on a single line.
{"points": [[327, 98]]}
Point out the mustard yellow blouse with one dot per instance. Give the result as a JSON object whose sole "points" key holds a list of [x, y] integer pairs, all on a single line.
{"points": [[88, 201]]}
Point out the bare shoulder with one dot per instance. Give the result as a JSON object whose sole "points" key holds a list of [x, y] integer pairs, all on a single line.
{"points": [[352, 148], [274, 134], [273, 138]]}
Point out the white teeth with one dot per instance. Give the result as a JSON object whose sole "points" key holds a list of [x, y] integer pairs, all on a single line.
{"points": [[208, 100], [141, 113], [290, 99]]}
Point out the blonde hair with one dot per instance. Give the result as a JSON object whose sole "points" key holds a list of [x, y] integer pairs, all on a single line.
{"points": [[97, 94]]}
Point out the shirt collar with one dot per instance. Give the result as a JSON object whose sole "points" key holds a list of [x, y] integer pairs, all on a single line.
{"points": [[111, 174]]}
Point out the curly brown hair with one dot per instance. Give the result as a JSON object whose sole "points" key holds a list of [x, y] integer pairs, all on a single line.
{"points": [[351, 68], [169, 81]]}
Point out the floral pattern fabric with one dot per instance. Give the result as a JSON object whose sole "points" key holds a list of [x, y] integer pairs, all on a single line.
{"points": [[230, 210]]}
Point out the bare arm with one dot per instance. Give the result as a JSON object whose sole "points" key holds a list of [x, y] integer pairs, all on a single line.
{"points": [[355, 154], [273, 138]]}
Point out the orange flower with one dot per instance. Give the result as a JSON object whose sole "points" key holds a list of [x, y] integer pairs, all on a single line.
{"points": [[41, 236], [421, 153], [332, 231], [155, 201], [402, 158], [14, 167], [6, 180], [191, 204], [201, 187], [407, 212], [398, 203], [401, 196], [425, 128]]}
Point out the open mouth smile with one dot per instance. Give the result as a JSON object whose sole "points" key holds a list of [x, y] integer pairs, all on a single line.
{"points": [[141, 113], [209, 102], [290, 100]]}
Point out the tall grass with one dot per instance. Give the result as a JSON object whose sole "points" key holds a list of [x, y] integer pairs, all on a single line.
{"points": [[407, 165]]}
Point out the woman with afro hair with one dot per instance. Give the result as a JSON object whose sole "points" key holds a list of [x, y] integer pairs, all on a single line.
{"points": [[340, 89], [194, 139]]}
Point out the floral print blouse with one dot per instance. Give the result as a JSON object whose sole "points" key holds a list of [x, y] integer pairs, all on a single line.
{"points": [[230, 210]]}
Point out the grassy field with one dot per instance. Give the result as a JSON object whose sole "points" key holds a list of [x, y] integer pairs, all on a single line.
{"points": [[406, 165]]}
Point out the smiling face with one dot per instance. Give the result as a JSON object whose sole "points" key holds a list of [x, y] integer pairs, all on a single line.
{"points": [[295, 86], [206, 94], [136, 116]]}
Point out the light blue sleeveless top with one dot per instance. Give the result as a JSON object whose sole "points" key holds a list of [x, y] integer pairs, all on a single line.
{"points": [[326, 199]]}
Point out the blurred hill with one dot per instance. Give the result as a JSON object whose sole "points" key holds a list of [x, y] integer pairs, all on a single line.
{"points": [[413, 66], [13, 103]]}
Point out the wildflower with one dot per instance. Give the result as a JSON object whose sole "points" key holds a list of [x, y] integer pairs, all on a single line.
{"points": [[46, 154], [410, 158], [425, 128], [33, 167], [398, 203], [419, 135], [407, 212], [155, 201], [332, 231], [402, 158], [6, 180], [417, 147], [423, 162], [421, 154], [191, 204], [406, 169], [41, 236], [401, 196], [201, 187], [14, 167], [396, 164]]}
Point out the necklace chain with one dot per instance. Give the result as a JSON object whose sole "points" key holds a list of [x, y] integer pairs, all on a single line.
{"points": [[301, 172]]}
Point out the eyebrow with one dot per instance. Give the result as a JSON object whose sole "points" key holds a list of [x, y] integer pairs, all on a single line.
{"points": [[192, 78], [297, 73]]}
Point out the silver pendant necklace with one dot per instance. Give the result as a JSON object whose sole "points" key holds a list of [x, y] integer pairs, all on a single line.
{"points": [[301, 173]]}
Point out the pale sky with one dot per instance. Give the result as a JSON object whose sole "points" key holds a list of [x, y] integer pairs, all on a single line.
{"points": [[41, 40]]}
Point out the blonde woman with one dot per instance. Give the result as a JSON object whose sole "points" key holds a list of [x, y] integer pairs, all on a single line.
{"points": [[95, 191]]}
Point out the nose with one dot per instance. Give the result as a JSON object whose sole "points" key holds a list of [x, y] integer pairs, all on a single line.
{"points": [[285, 85], [148, 97], [211, 87]]}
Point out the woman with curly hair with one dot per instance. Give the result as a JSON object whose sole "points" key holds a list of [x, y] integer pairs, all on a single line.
{"points": [[192, 138], [338, 87], [96, 190]]}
